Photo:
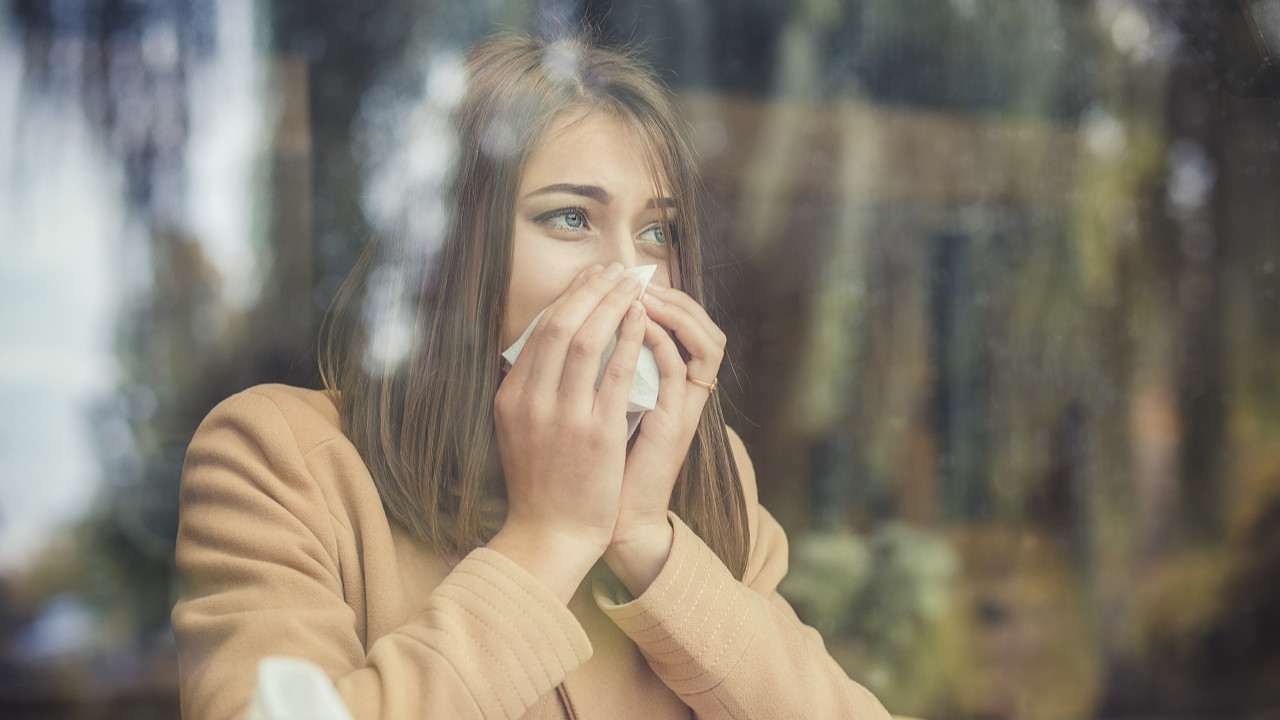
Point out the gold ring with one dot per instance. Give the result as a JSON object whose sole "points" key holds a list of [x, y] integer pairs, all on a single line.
{"points": [[710, 386]]}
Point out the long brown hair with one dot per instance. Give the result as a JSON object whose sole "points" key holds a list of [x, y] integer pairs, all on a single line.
{"points": [[422, 419]]}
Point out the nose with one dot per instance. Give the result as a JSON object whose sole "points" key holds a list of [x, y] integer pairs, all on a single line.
{"points": [[617, 246]]}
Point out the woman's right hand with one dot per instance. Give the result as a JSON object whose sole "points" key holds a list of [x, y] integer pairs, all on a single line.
{"points": [[563, 443]]}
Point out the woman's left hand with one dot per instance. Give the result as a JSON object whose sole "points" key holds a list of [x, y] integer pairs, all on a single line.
{"points": [[642, 535]]}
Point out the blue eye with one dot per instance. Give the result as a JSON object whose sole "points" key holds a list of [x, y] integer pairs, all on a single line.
{"points": [[660, 234], [654, 234], [564, 218]]}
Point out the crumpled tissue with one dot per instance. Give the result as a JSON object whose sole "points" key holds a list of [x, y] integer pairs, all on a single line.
{"points": [[290, 688], [644, 384]]}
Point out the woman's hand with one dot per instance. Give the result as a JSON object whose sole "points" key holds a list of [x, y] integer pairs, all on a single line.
{"points": [[642, 535], [563, 443]]}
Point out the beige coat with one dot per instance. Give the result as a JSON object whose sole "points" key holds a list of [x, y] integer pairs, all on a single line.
{"points": [[284, 549]]}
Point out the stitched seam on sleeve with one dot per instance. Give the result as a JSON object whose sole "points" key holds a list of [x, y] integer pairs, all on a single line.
{"points": [[692, 655], [461, 680], [663, 590], [468, 611], [485, 600], [639, 610], [683, 620], [721, 618], [713, 689], [688, 588], [724, 647], [716, 634], [555, 626], [481, 646], [520, 630]]}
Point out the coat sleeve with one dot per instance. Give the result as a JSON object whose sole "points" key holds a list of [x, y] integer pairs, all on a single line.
{"points": [[258, 561], [729, 648]]}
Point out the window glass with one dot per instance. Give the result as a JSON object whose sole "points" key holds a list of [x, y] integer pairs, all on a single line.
{"points": [[999, 280]]}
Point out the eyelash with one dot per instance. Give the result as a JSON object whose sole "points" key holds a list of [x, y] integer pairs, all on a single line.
{"points": [[546, 217], [668, 232]]}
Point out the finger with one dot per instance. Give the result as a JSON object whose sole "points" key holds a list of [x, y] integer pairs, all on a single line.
{"points": [[702, 339], [672, 370], [615, 385], [583, 356], [560, 322], [671, 296], [519, 371]]}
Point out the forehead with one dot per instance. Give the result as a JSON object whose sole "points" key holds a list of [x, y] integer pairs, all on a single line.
{"points": [[598, 148]]}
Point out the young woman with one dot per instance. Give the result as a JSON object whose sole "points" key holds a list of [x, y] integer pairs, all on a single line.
{"points": [[449, 537]]}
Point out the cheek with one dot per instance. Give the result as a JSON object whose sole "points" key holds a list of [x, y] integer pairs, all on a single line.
{"points": [[522, 307], [665, 275]]}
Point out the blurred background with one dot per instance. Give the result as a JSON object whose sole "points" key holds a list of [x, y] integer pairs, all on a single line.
{"points": [[1000, 280]]}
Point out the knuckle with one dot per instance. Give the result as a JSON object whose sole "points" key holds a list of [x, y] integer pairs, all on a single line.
{"points": [[598, 438], [534, 414], [584, 346], [616, 372], [557, 328], [503, 402], [579, 427]]}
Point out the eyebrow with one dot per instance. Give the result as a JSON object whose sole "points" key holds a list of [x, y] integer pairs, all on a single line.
{"points": [[597, 193]]}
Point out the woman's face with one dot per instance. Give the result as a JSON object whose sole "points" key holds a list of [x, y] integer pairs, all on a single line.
{"points": [[585, 198]]}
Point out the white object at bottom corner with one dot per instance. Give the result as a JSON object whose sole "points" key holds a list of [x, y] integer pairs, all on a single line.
{"points": [[291, 688]]}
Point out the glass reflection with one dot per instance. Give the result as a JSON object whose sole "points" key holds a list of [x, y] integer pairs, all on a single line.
{"points": [[1000, 281]]}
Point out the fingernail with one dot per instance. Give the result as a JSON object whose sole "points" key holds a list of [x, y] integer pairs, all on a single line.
{"points": [[613, 272], [636, 311], [652, 299], [655, 287], [630, 283], [594, 269]]}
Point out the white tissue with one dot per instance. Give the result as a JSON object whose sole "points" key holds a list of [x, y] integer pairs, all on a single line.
{"points": [[644, 384], [291, 688]]}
